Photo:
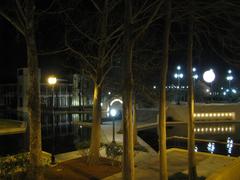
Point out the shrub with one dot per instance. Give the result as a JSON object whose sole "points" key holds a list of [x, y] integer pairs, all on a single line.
{"points": [[12, 165]]}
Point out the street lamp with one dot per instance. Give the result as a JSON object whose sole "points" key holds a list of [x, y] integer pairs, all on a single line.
{"points": [[229, 78], [52, 81], [209, 77], [113, 113], [195, 75], [178, 75]]}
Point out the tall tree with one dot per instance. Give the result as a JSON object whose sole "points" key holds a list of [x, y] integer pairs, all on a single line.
{"points": [[128, 152], [94, 57], [192, 170], [162, 103], [21, 16], [131, 35]]}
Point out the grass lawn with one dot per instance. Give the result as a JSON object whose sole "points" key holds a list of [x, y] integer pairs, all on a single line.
{"points": [[79, 169]]}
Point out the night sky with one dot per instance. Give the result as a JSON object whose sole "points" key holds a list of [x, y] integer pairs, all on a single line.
{"points": [[13, 56]]}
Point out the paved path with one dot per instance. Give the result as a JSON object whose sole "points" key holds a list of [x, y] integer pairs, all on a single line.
{"points": [[11, 127], [147, 162]]}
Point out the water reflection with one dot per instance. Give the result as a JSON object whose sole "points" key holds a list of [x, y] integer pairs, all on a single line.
{"points": [[211, 147], [196, 149], [215, 129], [229, 145], [217, 138]]}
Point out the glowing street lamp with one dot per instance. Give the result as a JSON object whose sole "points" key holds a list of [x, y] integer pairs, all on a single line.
{"points": [[52, 81], [113, 113], [178, 76], [209, 76], [229, 78]]}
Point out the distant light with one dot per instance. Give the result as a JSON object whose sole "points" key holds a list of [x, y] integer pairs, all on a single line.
{"points": [[209, 76], [175, 75], [234, 91], [109, 93], [229, 78], [101, 104], [113, 112], [227, 90], [52, 80], [207, 90], [154, 87], [178, 67], [181, 75], [195, 76], [196, 149], [221, 88], [229, 71], [194, 69], [116, 100]]}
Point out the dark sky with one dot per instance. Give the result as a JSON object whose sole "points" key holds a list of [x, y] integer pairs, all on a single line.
{"points": [[13, 56], [12, 50]]}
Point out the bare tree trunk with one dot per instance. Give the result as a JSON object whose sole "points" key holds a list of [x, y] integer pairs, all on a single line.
{"points": [[96, 125], [97, 114], [162, 104], [33, 93], [128, 152], [192, 172], [135, 141]]}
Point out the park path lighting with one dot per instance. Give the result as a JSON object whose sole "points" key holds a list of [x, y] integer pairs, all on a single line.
{"points": [[178, 75], [209, 77], [229, 78], [195, 75], [52, 82], [113, 113]]}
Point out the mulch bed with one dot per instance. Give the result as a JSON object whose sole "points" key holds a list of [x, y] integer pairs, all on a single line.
{"points": [[79, 169]]}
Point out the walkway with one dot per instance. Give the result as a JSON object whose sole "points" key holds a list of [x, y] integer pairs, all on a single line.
{"points": [[8, 126], [147, 164]]}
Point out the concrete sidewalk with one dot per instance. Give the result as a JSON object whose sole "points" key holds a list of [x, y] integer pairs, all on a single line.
{"points": [[8, 126], [147, 164]]}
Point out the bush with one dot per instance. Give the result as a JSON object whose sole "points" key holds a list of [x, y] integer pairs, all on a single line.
{"points": [[114, 151], [10, 166]]}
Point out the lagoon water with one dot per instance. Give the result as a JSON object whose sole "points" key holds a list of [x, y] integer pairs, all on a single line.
{"points": [[219, 138]]}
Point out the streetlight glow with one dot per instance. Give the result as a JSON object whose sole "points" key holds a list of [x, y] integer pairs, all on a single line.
{"points": [[195, 76], [113, 112], [229, 78], [178, 67], [52, 80], [209, 76]]}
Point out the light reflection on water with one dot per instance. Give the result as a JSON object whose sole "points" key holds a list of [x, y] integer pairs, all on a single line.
{"points": [[219, 138], [68, 136]]}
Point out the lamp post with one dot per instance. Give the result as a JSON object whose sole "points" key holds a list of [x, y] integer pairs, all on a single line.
{"points": [[178, 76], [113, 113], [229, 78], [52, 81], [195, 75], [209, 77]]}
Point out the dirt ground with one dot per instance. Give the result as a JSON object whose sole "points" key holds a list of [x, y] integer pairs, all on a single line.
{"points": [[79, 169]]}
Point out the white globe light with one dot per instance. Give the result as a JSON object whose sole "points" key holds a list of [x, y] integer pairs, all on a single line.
{"points": [[209, 76], [178, 67], [195, 76], [52, 80], [229, 78], [113, 112]]}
